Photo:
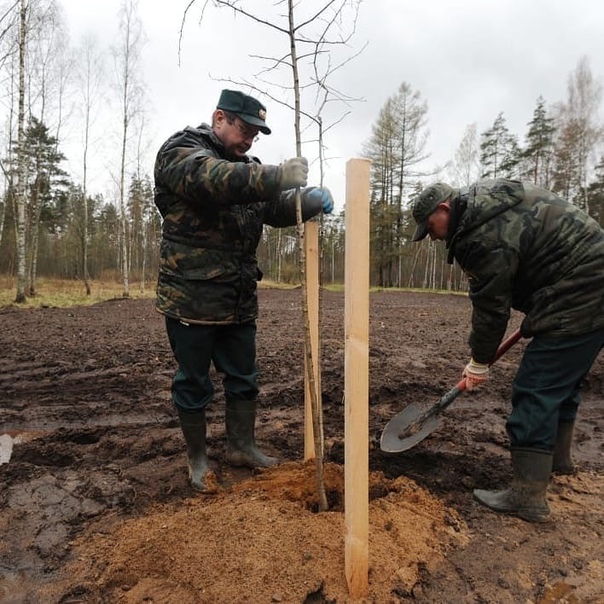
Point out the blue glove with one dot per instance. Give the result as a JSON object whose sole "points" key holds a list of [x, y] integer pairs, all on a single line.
{"points": [[324, 195]]}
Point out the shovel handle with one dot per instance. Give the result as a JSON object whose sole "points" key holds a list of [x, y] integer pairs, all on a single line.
{"points": [[460, 387], [503, 348], [447, 399]]}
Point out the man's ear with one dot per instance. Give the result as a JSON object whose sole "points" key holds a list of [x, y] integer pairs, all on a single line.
{"points": [[445, 205]]}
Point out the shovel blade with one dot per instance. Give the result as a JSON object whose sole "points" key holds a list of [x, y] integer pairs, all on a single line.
{"points": [[410, 426], [403, 432]]}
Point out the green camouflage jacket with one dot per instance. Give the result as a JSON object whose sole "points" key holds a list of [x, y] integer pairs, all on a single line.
{"points": [[527, 249], [213, 213]]}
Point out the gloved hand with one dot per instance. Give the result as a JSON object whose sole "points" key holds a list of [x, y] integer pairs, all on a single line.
{"points": [[294, 173], [475, 374], [323, 195]]}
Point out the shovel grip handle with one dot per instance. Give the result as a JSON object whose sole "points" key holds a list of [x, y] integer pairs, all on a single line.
{"points": [[507, 344], [503, 348], [460, 387]]}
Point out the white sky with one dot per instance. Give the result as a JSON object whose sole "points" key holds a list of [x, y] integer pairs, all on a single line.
{"points": [[469, 59]]}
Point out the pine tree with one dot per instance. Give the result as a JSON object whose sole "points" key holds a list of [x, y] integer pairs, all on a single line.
{"points": [[396, 148], [595, 194], [500, 154], [539, 150], [44, 185]]}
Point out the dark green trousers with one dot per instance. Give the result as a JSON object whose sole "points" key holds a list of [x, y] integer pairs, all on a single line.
{"points": [[232, 350], [546, 389]]}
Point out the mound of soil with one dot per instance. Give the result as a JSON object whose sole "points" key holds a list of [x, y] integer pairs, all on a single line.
{"points": [[96, 505]]}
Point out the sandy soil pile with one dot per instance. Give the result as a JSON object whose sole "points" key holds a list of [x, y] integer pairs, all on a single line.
{"points": [[267, 545]]}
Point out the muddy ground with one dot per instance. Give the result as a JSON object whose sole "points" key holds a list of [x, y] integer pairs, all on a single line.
{"points": [[95, 505]]}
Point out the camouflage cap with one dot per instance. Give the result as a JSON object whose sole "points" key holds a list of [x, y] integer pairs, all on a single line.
{"points": [[426, 203], [246, 107]]}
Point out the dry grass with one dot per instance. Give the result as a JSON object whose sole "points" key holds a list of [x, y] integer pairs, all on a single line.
{"points": [[65, 293]]}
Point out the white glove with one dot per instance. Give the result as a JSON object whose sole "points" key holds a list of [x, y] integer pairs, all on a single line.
{"points": [[294, 173], [475, 374]]}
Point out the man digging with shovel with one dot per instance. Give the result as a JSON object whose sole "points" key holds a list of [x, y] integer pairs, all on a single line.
{"points": [[525, 248]]}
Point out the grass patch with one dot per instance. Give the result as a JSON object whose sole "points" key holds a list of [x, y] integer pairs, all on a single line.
{"points": [[63, 293]]}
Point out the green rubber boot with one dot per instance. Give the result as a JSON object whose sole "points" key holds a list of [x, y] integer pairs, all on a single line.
{"points": [[193, 426], [525, 497], [563, 461], [240, 417]]}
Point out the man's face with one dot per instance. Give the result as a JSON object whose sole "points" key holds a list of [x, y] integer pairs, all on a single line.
{"points": [[236, 135], [438, 222]]}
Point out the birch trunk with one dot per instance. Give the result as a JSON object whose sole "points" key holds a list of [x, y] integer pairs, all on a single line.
{"points": [[20, 185]]}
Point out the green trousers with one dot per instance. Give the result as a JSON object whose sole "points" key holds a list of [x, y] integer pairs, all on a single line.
{"points": [[546, 389], [232, 350]]}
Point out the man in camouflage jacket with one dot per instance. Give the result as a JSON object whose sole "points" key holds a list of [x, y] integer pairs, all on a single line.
{"points": [[525, 248], [214, 200]]}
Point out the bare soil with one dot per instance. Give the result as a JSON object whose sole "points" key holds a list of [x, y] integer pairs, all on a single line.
{"points": [[96, 507]]}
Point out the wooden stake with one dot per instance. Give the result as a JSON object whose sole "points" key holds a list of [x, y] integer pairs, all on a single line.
{"points": [[311, 367], [311, 241], [356, 381]]}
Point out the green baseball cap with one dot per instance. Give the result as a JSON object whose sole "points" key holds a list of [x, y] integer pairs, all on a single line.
{"points": [[245, 107], [426, 203]]}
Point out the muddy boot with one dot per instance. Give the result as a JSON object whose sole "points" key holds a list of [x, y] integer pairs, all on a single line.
{"points": [[526, 496], [563, 461], [240, 416], [193, 427]]}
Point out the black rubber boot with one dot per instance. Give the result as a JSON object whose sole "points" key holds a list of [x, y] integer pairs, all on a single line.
{"points": [[563, 461], [526, 496], [240, 417], [193, 427]]}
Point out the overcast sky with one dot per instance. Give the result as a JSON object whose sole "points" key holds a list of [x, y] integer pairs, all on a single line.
{"points": [[469, 59]]}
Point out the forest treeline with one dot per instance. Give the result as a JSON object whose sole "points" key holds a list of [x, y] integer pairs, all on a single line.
{"points": [[52, 226]]}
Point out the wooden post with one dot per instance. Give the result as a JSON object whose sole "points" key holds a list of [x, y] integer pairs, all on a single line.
{"points": [[311, 242], [356, 380]]}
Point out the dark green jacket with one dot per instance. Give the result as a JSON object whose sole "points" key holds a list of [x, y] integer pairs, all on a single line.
{"points": [[213, 213], [527, 249]]}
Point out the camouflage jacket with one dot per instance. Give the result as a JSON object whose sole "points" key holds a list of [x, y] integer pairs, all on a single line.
{"points": [[213, 213], [527, 249]]}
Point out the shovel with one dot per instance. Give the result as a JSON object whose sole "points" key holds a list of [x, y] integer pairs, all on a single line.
{"points": [[411, 425]]}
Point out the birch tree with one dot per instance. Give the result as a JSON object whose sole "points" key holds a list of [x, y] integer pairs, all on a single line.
{"points": [[47, 78], [129, 87], [9, 61], [33, 32], [20, 200], [465, 166], [14, 39], [567, 171], [580, 131], [89, 79]]}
